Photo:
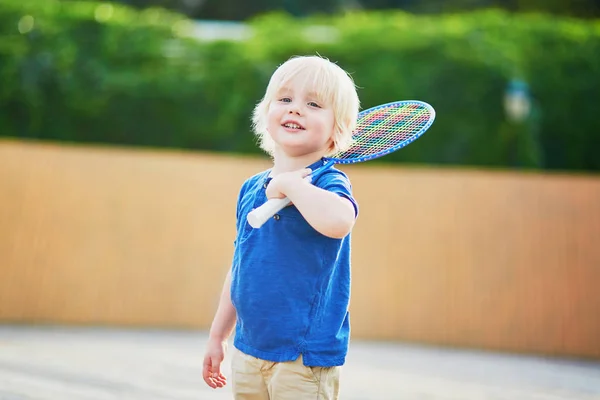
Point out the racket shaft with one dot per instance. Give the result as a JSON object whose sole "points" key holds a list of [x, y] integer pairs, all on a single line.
{"points": [[260, 215]]}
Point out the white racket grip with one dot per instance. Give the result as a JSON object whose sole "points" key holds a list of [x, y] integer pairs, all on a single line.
{"points": [[258, 216]]}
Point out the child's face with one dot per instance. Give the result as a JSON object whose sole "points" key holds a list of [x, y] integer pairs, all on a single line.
{"points": [[298, 121]]}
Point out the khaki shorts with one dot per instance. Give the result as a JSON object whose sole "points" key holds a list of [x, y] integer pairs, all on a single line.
{"points": [[256, 379]]}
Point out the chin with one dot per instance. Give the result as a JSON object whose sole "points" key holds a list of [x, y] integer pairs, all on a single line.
{"points": [[299, 149], [295, 152]]}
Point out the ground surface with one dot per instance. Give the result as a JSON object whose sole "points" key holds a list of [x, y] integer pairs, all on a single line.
{"points": [[61, 363]]}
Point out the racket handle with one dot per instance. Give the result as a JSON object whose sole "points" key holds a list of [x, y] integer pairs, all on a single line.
{"points": [[258, 216]]}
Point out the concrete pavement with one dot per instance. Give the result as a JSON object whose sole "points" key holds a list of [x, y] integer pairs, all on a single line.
{"points": [[66, 363]]}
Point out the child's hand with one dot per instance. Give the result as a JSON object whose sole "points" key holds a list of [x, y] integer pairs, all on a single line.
{"points": [[211, 371], [279, 185]]}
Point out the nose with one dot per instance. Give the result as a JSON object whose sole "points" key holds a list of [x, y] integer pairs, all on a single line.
{"points": [[293, 109]]}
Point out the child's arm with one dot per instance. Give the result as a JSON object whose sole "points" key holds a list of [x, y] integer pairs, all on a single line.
{"points": [[221, 329], [327, 212]]}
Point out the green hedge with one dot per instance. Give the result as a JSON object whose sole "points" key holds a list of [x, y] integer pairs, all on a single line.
{"points": [[104, 73]]}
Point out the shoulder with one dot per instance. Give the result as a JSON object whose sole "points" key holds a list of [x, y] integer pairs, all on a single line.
{"points": [[337, 181], [256, 179], [333, 176]]}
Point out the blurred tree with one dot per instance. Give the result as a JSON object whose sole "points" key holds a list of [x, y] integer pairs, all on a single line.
{"points": [[578, 8], [188, 7], [238, 10], [67, 78], [235, 9], [429, 6]]}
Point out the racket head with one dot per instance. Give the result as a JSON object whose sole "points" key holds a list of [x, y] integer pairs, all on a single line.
{"points": [[386, 128]]}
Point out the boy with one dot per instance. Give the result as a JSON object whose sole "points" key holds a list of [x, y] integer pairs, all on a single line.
{"points": [[288, 289]]}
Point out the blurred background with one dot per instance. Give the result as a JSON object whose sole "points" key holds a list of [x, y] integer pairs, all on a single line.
{"points": [[125, 137]]}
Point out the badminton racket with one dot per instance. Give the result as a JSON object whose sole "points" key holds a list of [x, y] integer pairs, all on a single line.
{"points": [[380, 130]]}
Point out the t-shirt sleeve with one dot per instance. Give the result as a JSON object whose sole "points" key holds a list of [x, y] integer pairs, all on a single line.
{"points": [[336, 181]]}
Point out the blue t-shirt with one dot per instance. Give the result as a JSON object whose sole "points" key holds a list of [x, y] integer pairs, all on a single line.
{"points": [[290, 284]]}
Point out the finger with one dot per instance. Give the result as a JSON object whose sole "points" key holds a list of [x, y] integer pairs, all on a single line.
{"points": [[220, 381], [210, 382], [216, 377], [306, 174], [207, 373]]}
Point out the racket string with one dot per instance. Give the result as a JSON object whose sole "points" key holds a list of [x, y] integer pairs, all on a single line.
{"points": [[384, 129]]}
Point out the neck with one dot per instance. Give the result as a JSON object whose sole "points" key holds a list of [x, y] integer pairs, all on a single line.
{"points": [[285, 163]]}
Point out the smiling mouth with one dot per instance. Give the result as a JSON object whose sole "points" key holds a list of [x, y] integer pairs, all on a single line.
{"points": [[292, 125]]}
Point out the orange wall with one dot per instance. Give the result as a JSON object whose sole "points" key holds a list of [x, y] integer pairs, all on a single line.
{"points": [[497, 260]]}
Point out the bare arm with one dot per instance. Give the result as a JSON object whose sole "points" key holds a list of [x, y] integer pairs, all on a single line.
{"points": [[330, 214], [221, 329], [224, 320]]}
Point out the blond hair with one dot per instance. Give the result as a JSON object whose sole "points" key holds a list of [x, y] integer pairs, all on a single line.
{"points": [[333, 86]]}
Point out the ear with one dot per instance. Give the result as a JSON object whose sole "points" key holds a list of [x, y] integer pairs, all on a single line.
{"points": [[331, 144]]}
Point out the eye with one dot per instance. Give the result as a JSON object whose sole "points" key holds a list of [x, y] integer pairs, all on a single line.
{"points": [[285, 100], [313, 104]]}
